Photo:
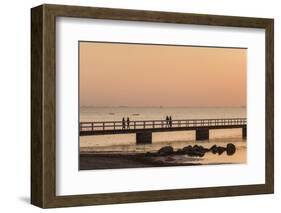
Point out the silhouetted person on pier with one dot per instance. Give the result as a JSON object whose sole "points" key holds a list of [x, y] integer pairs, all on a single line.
{"points": [[167, 121], [123, 123], [128, 122], [170, 119]]}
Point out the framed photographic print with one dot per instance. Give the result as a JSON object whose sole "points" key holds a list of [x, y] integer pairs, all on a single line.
{"points": [[137, 106]]}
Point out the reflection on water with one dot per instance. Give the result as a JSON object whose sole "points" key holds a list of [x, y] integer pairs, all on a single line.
{"points": [[87, 146]]}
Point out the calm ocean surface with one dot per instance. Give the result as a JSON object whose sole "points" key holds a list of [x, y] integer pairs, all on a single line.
{"points": [[126, 142], [158, 113]]}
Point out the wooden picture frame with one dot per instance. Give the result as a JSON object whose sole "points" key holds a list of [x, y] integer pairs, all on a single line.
{"points": [[43, 105]]}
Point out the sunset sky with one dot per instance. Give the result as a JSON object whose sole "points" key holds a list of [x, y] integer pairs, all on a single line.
{"points": [[113, 74]]}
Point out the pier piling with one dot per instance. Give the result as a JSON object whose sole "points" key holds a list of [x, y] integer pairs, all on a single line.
{"points": [[244, 132], [144, 137], [202, 134]]}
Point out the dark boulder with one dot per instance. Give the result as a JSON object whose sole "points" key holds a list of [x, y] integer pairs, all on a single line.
{"points": [[197, 148], [221, 150], [214, 149], [230, 149], [187, 149], [166, 150], [196, 151], [200, 149]]}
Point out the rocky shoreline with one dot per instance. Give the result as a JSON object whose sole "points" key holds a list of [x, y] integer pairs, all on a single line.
{"points": [[196, 150], [165, 156]]}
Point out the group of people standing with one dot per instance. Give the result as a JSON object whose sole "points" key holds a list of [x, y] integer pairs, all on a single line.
{"points": [[126, 123], [169, 121]]}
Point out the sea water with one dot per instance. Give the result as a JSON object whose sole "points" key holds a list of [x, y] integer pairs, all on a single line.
{"points": [[126, 143]]}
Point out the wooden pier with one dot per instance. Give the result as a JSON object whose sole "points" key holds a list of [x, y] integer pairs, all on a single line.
{"points": [[144, 129]]}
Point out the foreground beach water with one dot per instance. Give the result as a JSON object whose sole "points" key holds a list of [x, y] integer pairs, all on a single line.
{"points": [[139, 158], [121, 151]]}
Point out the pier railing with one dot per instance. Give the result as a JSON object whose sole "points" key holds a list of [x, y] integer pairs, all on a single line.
{"points": [[159, 124]]}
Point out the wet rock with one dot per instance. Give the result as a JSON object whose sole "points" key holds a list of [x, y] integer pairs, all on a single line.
{"points": [[197, 148], [166, 150], [200, 149], [187, 149], [197, 151], [230, 149], [221, 150], [214, 149]]}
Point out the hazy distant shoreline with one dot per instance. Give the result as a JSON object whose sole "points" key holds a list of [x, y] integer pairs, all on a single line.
{"points": [[100, 113]]}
